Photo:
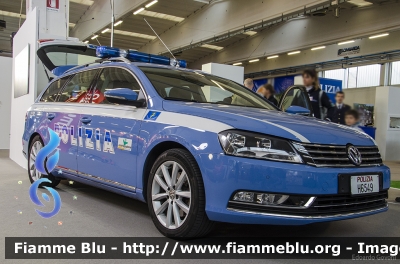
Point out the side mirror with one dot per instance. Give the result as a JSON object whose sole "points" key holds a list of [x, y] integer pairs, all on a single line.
{"points": [[298, 110], [122, 96]]}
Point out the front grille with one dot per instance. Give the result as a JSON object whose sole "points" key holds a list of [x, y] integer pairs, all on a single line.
{"points": [[323, 206], [336, 156]]}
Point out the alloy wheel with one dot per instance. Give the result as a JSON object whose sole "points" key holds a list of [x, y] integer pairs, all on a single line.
{"points": [[171, 194], [36, 147]]}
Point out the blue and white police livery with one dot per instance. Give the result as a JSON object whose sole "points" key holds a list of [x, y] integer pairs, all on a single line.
{"points": [[198, 148]]}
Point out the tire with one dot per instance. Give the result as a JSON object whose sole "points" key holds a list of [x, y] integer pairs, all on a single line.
{"points": [[33, 174], [178, 211]]}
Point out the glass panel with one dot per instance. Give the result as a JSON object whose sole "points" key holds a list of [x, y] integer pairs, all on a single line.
{"points": [[294, 97], [50, 95], [112, 78], [394, 122], [352, 77], [368, 76], [395, 78], [182, 85], [76, 90]]}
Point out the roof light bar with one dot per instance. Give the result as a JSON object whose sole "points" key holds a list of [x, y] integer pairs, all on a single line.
{"points": [[133, 55]]}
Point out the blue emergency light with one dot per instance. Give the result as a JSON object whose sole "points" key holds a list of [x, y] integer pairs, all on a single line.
{"points": [[133, 55]]}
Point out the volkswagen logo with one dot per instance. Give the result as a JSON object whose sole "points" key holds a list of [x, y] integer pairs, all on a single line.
{"points": [[354, 155]]}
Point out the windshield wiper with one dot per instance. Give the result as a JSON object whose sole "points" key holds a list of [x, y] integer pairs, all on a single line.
{"points": [[180, 99]]}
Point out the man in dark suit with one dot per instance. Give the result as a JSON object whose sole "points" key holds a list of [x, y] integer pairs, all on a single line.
{"points": [[337, 113]]}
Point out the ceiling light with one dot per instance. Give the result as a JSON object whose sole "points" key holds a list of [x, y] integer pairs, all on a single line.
{"points": [[272, 57], [105, 30], [118, 23], [237, 64], [71, 24], [360, 3], [138, 11], [95, 37], [380, 35], [151, 3], [345, 42], [203, 1], [208, 46], [294, 52], [162, 16], [86, 41], [254, 60], [133, 34], [318, 48], [250, 33]]}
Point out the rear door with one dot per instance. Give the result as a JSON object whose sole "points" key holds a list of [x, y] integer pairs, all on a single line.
{"points": [[110, 132], [65, 114], [295, 96]]}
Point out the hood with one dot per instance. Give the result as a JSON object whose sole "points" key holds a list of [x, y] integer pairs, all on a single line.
{"points": [[274, 123]]}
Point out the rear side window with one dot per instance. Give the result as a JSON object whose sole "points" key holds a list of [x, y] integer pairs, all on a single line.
{"points": [[112, 78], [76, 90], [53, 90]]}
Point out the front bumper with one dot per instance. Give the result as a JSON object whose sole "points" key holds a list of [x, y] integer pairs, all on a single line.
{"points": [[224, 175]]}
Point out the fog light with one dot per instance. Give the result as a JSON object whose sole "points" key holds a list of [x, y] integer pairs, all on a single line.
{"points": [[274, 199], [244, 196], [271, 199]]}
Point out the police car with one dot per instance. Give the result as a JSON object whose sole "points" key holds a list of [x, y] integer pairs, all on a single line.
{"points": [[195, 147]]}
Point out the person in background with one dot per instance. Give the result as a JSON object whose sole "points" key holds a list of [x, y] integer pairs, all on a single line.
{"points": [[337, 113], [351, 119], [249, 83], [320, 102], [267, 91]]}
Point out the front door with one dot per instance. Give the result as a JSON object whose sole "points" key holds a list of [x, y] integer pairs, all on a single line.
{"points": [[295, 96], [110, 133]]}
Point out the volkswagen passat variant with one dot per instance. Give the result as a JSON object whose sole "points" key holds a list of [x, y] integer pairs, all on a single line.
{"points": [[198, 148]]}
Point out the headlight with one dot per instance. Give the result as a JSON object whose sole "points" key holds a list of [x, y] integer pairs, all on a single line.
{"points": [[252, 145]]}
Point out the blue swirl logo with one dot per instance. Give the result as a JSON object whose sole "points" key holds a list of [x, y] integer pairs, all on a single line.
{"points": [[45, 163], [35, 198]]}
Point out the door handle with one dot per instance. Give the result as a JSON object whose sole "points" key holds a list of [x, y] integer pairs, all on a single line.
{"points": [[86, 120], [51, 116]]}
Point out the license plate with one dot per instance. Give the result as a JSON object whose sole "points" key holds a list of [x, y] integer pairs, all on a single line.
{"points": [[364, 184]]}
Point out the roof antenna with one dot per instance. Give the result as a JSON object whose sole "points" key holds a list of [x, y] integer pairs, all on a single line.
{"points": [[160, 39]]}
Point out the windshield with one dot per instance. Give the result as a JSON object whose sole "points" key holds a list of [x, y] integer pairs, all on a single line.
{"points": [[179, 85]]}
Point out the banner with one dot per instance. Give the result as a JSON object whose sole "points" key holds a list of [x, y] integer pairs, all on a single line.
{"points": [[330, 87]]}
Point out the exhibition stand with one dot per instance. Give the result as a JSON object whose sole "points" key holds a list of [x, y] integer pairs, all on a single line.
{"points": [[39, 24]]}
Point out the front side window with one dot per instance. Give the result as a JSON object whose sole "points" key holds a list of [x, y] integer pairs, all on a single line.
{"points": [[180, 85], [50, 95], [114, 78], [76, 90]]}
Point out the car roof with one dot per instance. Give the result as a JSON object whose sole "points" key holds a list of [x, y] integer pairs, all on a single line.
{"points": [[105, 64]]}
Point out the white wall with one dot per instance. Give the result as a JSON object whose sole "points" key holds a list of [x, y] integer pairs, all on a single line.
{"points": [[386, 105], [26, 34], [5, 101], [234, 73]]}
